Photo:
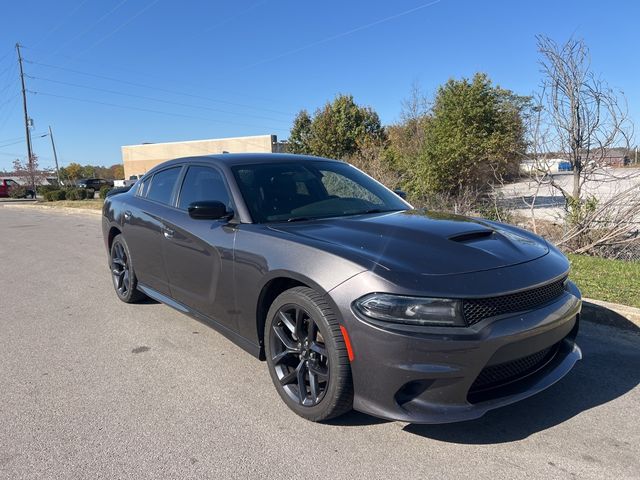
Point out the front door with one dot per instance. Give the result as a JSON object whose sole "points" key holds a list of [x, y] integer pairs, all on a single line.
{"points": [[198, 255]]}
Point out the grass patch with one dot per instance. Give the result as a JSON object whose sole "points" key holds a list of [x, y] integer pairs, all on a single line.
{"points": [[94, 204], [616, 281]]}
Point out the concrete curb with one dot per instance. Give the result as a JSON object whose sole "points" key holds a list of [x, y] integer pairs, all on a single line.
{"points": [[612, 314], [66, 210]]}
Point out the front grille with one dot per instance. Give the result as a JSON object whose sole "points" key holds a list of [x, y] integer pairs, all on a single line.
{"points": [[503, 373], [478, 309]]}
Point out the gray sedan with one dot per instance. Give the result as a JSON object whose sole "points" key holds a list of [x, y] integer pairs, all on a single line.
{"points": [[353, 298]]}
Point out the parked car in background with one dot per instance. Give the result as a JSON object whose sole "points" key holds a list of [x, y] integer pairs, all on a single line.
{"points": [[354, 298], [8, 184], [94, 183]]}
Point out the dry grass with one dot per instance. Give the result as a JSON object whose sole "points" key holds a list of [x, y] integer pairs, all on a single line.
{"points": [[95, 204]]}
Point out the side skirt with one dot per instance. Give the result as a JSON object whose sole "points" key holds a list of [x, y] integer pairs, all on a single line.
{"points": [[239, 340]]}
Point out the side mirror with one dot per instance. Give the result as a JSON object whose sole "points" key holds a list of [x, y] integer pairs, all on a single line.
{"points": [[401, 194], [208, 210]]}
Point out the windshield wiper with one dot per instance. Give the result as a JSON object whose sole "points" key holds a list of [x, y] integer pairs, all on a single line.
{"points": [[298, 219]]}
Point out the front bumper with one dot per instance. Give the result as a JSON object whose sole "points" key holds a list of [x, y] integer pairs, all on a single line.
{"points": [[429, 375]]}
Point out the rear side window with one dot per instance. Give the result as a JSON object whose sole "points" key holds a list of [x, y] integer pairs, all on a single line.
{"points": [[203, 183], [162, 185]]}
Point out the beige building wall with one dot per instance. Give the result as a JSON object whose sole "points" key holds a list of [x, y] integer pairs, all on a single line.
{"points": [[139, 159]]}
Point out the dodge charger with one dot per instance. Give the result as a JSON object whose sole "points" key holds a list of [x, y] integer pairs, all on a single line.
{"points": [[355, 299]]}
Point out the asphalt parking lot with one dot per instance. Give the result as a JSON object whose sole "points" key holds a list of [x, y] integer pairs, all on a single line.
{"points": [[93, 388]]}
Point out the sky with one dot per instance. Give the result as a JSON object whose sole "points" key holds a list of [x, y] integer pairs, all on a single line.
{"points": [[109, 73]]}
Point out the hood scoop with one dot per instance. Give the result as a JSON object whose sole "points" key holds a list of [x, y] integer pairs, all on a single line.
{"points": [[472, 236]]}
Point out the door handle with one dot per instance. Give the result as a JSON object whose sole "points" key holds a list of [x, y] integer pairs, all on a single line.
{"points": [[127, 215], [167, 232]]}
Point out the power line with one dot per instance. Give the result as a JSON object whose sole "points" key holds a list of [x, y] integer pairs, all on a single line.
{"points": [[10, 111], [12, 143], [93, 25], [164, 90], [7, 69], [21, 138], [120, 27], [7, 101], [144, 97], [172, 114], [6, 54], [11, 77], [111, 66], [339, 35], [215, 26], [60, 23]]}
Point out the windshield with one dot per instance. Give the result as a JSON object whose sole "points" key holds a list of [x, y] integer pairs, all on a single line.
{"points": [[279, 192]]}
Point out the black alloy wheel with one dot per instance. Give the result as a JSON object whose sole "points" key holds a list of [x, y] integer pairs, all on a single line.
{"points": [[299, 355], [124, 279], [307, 356]]}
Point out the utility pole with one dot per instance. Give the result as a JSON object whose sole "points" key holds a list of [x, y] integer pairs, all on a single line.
{"points": [[55, 155], [26, 120]]}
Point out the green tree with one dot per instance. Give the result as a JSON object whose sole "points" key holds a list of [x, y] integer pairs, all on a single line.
{"points": [[71, 172], [338, 130], [474, 136], [299, 139], [116, 171]]}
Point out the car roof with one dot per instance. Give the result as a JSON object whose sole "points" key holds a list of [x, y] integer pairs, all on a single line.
{"points": [[232, 159]]}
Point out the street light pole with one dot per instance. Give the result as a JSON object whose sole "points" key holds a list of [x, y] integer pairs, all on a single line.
{"points": [[55, 155]]}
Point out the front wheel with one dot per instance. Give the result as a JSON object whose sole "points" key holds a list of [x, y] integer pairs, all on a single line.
{"points": [[306, 355], [122, 274]]}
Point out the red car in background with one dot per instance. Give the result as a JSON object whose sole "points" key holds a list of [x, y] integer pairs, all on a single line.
{"points": [[6, 184]]}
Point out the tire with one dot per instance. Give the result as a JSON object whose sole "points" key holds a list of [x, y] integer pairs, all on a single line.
{"points": [[124, 279], [303, 343]]}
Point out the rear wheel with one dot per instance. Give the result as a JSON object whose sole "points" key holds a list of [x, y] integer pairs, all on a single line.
{"points": [[122, 274], [307, 356]]}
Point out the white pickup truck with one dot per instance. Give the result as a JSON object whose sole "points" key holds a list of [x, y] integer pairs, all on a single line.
{"points": [[126, 183]]}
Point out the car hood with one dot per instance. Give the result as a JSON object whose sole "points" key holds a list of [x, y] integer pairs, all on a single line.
{"points": [[423, 242]]}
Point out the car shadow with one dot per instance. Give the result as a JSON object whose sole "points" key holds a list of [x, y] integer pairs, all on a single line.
{"points": [[147, 301], [610, 368], [355, 419]]}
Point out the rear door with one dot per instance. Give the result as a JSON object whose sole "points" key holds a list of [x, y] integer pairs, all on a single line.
{"points": [[199, 253], [144, 227]]}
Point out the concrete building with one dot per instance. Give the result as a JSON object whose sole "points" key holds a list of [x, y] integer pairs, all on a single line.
{"points": [[138, 159]]}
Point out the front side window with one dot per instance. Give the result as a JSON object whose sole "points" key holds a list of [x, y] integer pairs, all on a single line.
{"points": [[201, 184], [162, 184], [311, 189]]}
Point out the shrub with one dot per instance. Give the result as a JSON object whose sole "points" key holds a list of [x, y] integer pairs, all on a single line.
{"points": [[18, 192], [76, 194], [89, 193], [104, 191], [55, 195], [42, 189]]}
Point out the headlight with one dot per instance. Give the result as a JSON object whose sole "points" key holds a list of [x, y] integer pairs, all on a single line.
{"points": [[442, 312]]}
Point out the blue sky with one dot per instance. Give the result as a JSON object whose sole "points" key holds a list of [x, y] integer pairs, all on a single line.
{"points": [[203, 69]]}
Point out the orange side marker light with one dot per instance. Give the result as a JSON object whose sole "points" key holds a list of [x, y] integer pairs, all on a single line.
{"points": [[347, 342]]}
